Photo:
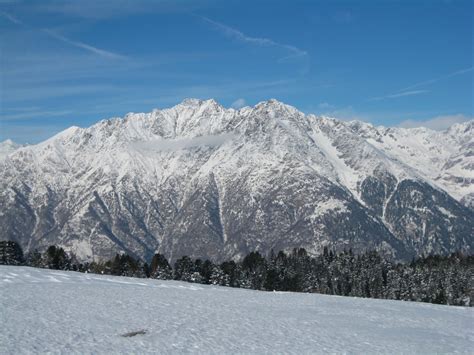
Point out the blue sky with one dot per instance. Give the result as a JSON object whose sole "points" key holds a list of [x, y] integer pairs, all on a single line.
{"points": [[66, 63]]}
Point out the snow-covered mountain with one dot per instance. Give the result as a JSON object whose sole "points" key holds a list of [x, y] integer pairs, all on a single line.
{"points": [[206, 181]]}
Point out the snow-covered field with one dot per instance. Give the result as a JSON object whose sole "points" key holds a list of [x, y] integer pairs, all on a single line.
{"points": [[67, 312]]}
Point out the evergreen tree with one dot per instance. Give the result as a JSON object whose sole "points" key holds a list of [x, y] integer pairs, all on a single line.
{"points": [[184, 269], [253, 271], [56, 258], [34, 259], [218, 277], [160, 268], [231, 274], [435, 279], [206, 271], [11, 253]]}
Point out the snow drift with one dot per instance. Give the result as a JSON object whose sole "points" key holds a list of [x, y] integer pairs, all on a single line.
{"points": [[66, 312]]}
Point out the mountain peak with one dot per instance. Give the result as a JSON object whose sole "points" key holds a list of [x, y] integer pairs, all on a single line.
{"points": [[272, 103], [8, 142], [462, 127], [273, 106], [193, 102]]}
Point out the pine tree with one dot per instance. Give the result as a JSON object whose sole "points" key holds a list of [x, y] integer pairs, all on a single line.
{"points": [[218, 277], [34, 259], [56, 258], [253, 271], [230, 270], [11, 253], [206, 271], [160, 268], [184, 269]]}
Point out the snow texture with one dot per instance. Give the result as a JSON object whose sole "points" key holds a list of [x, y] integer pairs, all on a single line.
{"points": [[46, 311]]}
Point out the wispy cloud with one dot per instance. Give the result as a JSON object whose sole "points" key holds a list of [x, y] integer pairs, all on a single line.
{"points": [[34, 114], [438, 123], [434, 80], [66, 40], [183, 143], [398, 94], [408, 91], [325, 105], [11, 18], [16, 94], [104, 9], [239, 103], [258, 41], [85, 46]]}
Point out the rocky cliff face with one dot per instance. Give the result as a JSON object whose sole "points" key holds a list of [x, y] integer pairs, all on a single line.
{"points": [[202, 180]]}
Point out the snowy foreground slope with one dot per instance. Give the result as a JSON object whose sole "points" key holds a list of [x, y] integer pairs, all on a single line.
{"points": [[66, 312]]}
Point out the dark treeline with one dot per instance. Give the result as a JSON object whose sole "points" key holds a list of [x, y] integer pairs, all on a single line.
{"points": [[434, 279]]}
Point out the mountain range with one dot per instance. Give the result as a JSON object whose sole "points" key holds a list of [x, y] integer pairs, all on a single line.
{"points": [[206, 181]]}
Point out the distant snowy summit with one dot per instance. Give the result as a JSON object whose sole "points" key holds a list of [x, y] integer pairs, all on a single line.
{"points": [[206, 181]]}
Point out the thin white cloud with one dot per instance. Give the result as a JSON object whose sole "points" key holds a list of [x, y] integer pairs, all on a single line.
{"points": [[325, 105], [21, 93], [408, 91], [22, 109], [398, 94], [35, 114], [85, 46], [172, 145], [11, 18], [66, 40], [104, 9], [239, 103], [258, 41], [434, 80], [438, 123]]}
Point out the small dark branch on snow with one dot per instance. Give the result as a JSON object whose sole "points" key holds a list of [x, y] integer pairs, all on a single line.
{"points": [[134, 333]]}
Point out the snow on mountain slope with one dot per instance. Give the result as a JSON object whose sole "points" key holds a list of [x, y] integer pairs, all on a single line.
{"points": [[211, 182], [445, 158], [47, 311]]}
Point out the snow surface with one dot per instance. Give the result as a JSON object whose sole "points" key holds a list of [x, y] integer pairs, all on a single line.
{"points": [[66, 312]]}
